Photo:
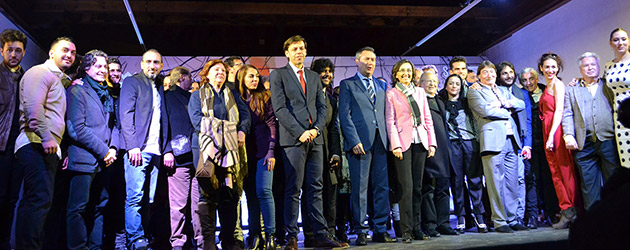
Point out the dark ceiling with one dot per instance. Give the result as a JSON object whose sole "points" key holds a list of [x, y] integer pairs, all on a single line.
{"points": [[258, 28]]}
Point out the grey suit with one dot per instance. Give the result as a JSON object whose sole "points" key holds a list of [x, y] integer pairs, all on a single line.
{"points": [[589, 120], [498, 149]]}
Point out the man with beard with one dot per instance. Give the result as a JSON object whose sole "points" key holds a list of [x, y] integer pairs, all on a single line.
{"points": [[141, 109], [332, 152], [42, 125], [524, 125], [12, 48]]}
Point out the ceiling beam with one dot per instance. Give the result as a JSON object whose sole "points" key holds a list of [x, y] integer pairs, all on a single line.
{"points": [[242, 8]]}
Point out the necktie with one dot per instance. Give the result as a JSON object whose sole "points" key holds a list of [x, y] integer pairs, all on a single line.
{"points": [[302, 81], [370, 89]]}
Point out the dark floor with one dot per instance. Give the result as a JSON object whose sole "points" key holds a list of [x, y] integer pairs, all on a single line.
{"points": [[541, 238]]}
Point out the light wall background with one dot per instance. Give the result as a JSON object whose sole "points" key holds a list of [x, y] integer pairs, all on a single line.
{"points": [[574, 28]]}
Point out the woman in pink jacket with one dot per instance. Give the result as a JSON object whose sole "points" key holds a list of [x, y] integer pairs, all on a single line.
{"points": [[411, 140]]}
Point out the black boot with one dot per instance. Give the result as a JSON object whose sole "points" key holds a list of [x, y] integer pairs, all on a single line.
{"points": [[208, 221], [270, 242], [254, 242]]}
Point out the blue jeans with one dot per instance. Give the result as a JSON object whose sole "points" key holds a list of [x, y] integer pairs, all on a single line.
{"points": [[264, 182], [136, 180]]}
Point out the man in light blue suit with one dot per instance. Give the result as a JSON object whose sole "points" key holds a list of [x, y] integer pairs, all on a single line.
{"points": [[499, 140], [362, 119]]}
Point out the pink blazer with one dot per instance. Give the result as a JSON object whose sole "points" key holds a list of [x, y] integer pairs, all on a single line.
{"points": [[399, 120]]}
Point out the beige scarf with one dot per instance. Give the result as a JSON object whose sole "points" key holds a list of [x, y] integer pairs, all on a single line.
{"points": [[218, 139]]}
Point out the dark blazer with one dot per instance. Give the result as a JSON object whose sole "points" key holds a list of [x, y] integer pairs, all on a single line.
{"points": [[91, 130], [331, 130], [293, 108], [136, 109], [523, 118], [358, 117], [438, 166]]}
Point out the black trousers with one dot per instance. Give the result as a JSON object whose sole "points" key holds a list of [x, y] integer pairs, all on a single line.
{"points": [[547, 198], [435, 202], [10, 182], [462, 153], [39, 171], [409, 173]]}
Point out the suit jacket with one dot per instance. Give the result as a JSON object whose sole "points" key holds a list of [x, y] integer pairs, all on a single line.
{"points": [[358, 116], [399, 119], [91, 130], [523, 118], [491, 119], [575, 112], [136, 109], [331, 130], [293, 109]]}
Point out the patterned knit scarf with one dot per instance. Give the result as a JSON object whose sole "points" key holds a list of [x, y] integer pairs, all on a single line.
{"points": [[218, 139], [408, 92]]}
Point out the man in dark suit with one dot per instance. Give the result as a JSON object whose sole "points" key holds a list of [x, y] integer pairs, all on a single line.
{"points": [[499, 142], [589, 131], [524, 123], [141, 110], [332, 151], [362, 119], [538, 183], [299, 105]]}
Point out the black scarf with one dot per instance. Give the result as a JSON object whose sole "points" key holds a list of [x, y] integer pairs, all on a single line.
{"points": [[102, 92]]}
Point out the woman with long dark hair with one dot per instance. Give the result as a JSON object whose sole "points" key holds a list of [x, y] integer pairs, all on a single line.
{"points": [[464, 153], [618, 80], [559, 157], [260, 143]]}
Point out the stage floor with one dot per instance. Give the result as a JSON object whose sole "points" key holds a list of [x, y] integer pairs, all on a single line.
{"points": [[541, 238]]}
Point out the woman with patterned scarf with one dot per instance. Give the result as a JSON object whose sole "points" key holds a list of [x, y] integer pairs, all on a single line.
{"points": [[411, 140], [221, 120], [464, 153]]}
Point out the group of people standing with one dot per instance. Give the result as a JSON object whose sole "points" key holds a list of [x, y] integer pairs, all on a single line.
{"points": [[299, 141]]}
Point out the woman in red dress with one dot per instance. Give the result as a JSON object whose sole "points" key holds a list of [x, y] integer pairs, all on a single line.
{"points": [[559, 157]]}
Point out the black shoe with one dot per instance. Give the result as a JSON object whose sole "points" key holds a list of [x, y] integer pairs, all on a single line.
{"points": [[533, 222], [329, 243], [270, 242], [504, 229], [384, 238], [419, 235], [482, 228], [140, 244], [361, 240], [431, 232], [519, 227], [291, 244], [342, 236], [446, 230], [406, 238]]}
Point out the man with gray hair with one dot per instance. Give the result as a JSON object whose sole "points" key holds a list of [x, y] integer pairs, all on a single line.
{"points": [[588, 127]]}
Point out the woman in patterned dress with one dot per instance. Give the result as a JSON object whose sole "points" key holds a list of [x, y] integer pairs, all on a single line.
{"points": [[618, 80]]}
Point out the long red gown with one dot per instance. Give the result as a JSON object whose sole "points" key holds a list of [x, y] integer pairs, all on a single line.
{"points": [[560, 159]]}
